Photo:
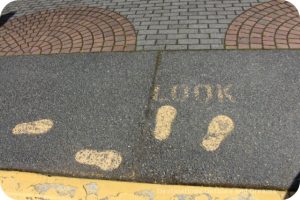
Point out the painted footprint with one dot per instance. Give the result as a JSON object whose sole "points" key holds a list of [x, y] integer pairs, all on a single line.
{"points": [[34, 128], [219, 128], [164, 120], [105, 160]]}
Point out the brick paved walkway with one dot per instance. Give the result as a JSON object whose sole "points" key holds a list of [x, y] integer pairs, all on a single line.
{"points": [[172, 24]]}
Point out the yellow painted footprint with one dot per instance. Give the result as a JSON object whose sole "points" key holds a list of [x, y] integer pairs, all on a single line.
{"points": [[219, 128], [105, 160], [164, 120], [33, 128]]}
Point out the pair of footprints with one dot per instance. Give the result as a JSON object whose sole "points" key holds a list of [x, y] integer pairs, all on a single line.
{"points": [[108, 160], [218, 129]]}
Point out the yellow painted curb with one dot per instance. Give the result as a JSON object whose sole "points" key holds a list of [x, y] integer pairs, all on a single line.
{"points": [[30, 186]]}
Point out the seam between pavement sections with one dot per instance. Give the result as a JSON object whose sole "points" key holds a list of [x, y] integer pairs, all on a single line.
{"points": [[154, 80], [147, 113], [22, 185]]}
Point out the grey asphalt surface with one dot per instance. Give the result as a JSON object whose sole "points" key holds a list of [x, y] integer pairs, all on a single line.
{"points": [[96, 102], [103, 101]]}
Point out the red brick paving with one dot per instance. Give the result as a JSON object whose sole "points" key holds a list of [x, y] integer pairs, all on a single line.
{"points": [[271, 25], [68, 30]]}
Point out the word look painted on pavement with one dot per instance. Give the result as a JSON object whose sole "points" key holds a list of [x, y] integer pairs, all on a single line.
{"points": [[201, 92]]}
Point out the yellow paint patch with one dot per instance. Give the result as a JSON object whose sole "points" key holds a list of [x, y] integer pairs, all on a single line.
{"points": [[219, 128], [34, 128], [164, 120], [105, 160], [21, 185]]}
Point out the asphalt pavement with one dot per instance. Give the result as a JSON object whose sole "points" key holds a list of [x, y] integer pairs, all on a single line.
{"points": [[214, 118]]}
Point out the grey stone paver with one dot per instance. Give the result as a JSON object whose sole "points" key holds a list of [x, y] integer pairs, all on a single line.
{"points": [[169, 18]]}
